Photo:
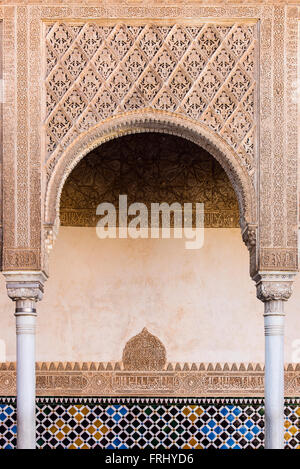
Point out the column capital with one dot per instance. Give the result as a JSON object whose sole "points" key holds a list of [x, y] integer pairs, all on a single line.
{"points": [[25, 285], [274, 285]]}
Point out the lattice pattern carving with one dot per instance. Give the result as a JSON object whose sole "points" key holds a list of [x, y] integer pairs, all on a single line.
{"points": [[204, 72]]}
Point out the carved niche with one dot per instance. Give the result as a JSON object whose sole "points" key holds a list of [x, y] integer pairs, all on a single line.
{"points": [[205, 72], [144, 352], [148, 167]]}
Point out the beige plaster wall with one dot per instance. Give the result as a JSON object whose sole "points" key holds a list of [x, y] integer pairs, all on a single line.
{"points": [[201, 304]]}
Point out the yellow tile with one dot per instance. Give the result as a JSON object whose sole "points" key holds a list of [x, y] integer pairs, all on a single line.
{"points": [[186, 411], [287, 424], [293, 430], [59, 423], [53, 429], [297, 411], [193, 407], [186, 447], [103, 429], [193, 417], [199, 411], [78, 442], [59, 435], [91, 429], [66, 429], [287, 436], [85, 411], [85, 447], [73, 411], [97, 423], [193, 442], [198, 447], [78, 417], [72, 447], [97, 436]]}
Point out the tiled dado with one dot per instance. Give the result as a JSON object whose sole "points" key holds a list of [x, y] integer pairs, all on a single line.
{"points": [[120, 423]]}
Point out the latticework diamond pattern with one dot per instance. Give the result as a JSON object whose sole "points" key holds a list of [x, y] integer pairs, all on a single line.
{"points": [[203, 72]]}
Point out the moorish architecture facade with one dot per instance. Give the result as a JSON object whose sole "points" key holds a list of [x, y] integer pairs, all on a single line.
{"points": [[140, 343]]}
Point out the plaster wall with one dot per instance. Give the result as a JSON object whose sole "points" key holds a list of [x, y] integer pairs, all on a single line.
{"points": [[200, 303]]}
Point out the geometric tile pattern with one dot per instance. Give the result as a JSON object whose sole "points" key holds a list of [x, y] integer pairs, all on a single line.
{"points": [[292, 426], [152, 423], [8, 427]]}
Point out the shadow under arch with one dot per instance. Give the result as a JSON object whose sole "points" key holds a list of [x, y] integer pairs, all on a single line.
{"points": [[160, 122]]}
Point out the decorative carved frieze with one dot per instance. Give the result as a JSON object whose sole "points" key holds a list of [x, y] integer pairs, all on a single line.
{"points": [[278, 258], [21, 259], [176, 379]]}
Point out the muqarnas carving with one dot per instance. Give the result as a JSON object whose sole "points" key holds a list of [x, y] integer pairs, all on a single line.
{"points": [[149, 167]]}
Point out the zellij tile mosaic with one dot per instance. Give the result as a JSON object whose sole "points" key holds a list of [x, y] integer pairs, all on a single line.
{"points": [[75, 423]]}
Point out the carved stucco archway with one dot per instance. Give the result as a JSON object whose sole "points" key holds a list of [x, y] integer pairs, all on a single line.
{"points": [[275, 166], [161, 122]]}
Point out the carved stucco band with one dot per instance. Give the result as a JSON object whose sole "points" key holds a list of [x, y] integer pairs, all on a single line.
{"points": [[110, 379]]}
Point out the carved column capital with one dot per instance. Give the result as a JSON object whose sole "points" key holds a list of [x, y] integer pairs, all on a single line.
{"points": [[25, 287], [274, 286]]}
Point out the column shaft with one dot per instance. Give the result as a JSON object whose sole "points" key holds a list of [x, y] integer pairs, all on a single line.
{"points": [[25, 329], [274, 374]]}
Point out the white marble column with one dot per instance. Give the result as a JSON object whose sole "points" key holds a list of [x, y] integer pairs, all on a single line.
{"points": [[25, 289], [274, 288]]}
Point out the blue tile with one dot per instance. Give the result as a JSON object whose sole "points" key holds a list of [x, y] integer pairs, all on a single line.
{"points": [[230, 418], [230, 442], [123, 411], [205, 430]]}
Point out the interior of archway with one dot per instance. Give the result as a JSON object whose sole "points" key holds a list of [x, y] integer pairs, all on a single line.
{"points": [[200, 303]]}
